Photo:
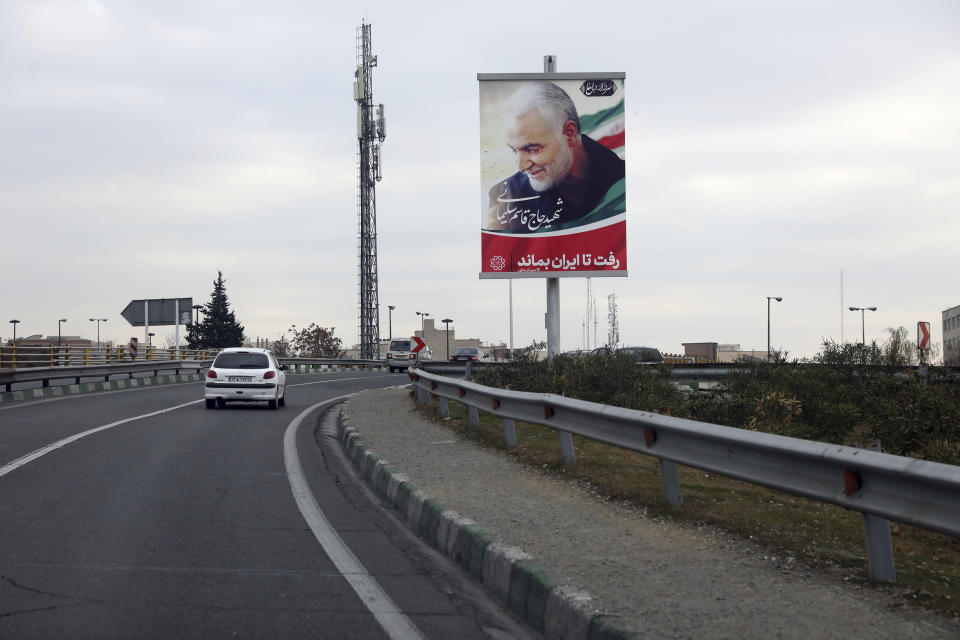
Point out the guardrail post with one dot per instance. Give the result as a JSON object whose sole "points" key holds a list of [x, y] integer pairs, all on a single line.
{"points": [[421, 399], [879, 543], [510, 432], [444, 408], [474, 416], [566, 447], [669, 474], [879, 549]]}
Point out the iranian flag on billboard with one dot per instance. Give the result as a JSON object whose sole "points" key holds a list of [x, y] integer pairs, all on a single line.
{"points": [[553, 183]]}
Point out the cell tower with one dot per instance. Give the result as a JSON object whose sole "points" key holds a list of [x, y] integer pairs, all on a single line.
{"points": [[613, 326], [371, 131]]}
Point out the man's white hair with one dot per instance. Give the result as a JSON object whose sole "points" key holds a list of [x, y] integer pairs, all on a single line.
{"points": [[553, 103]]}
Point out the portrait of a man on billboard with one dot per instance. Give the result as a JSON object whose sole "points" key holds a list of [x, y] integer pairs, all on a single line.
{"points": [[553, 176]]}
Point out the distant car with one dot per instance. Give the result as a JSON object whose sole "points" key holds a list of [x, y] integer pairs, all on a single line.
{"points": [[400, 356], [643, 355], [239, 374], [468, 354]]}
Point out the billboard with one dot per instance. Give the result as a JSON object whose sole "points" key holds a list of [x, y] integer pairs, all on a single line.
{"points": [[553, 179]]}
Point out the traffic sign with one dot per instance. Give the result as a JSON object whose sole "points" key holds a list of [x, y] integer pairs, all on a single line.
{"points": [[420, 344], [162, 312], [923, 335]]}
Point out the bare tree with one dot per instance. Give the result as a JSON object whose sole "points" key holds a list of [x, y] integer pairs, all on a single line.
{"points": [[315, 342]]}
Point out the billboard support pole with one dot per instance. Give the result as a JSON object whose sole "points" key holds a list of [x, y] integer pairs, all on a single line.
{"points": [[146, 322], [553, 284]]}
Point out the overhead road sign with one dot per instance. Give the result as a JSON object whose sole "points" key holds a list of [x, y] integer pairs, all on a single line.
{"points": [[158, 312]]}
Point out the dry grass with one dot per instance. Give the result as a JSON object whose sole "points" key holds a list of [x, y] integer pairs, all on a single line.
{"points": [[822, 535]]}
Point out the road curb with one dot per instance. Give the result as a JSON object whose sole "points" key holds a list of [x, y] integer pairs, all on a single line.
{"points": [[510, 574], [94, 387]]}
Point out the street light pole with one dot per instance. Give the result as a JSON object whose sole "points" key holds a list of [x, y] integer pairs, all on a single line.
{"points": [[423, 315], [14, 323], [196, 309], [98, 321], [390, 309], [447, 322], [769, 298], [863, 322], [59, 322]]}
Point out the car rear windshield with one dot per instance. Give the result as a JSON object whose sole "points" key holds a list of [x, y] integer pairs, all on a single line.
{"points": [[241, 360], [466, 351], [400, 345]]}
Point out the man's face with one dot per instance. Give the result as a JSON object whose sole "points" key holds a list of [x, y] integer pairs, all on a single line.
{"points": [[543, 154]]}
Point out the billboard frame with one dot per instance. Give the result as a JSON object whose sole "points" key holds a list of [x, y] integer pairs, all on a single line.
{"points": [[552, 75]]}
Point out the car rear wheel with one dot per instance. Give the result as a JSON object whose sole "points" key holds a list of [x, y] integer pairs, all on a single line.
{"points": [[210, 403], [282, 402], [272, 404]]}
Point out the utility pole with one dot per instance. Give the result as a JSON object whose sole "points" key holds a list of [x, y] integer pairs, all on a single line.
{"points": [[371, 131]]}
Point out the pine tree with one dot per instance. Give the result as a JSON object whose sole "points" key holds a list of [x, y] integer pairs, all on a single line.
{"points": [[219, 328]]}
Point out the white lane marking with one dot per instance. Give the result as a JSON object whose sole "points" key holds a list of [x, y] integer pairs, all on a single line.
{"points": [[397, 625], [30, 457]]}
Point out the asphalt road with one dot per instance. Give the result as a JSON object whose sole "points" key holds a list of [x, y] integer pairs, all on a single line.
{"points": [[158, 518]]}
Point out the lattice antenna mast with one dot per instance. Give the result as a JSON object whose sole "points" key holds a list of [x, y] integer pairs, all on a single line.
{"points": [[613, 325], [371, 131]]}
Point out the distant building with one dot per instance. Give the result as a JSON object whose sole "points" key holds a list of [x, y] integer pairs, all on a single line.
{"points": [[706, 350], [733, 352], [951, 336], [37, 340]]}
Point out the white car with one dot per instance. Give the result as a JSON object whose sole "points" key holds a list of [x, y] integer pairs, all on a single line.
{"points": [[400, 356], [246, 375]]}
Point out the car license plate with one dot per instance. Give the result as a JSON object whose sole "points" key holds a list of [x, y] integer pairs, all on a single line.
{"points": [[239, 378]]}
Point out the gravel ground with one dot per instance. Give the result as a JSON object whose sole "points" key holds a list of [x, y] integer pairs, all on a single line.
{"points": [[658, 578]]}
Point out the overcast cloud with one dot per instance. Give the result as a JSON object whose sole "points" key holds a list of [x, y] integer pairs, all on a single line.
{"points": [[146, 145]]}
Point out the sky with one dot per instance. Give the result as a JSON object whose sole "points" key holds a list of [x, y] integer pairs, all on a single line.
{"points": [[145, 146]]}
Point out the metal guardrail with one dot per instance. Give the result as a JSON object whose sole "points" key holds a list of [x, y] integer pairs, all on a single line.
{"points": [[881, 486], [44, 375], [11, 376]]}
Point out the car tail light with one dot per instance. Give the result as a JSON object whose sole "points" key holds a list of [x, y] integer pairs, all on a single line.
{"points": [[389, 356], [211, 373], [413, 356], [474, 358], [269, 374], [451, 358]]}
